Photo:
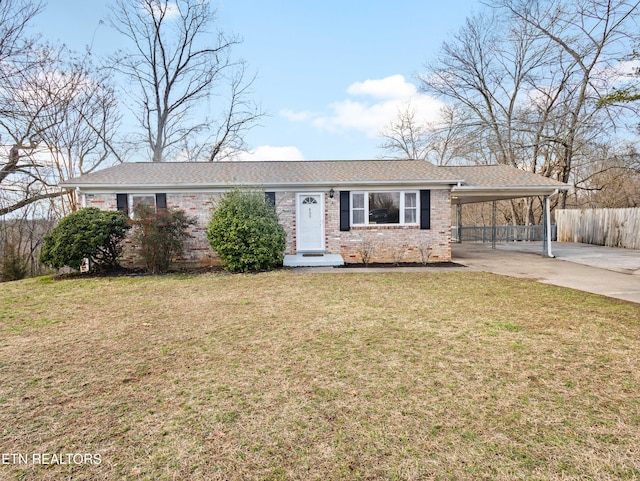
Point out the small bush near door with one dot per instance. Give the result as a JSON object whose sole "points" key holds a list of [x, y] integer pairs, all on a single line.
{"points": [[245, 232]]}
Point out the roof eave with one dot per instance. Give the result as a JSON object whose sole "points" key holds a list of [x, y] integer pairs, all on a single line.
{"points": [[272, 185], [470, 194]]}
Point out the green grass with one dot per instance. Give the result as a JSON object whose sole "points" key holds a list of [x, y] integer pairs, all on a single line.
{"points": [[283, 375]]}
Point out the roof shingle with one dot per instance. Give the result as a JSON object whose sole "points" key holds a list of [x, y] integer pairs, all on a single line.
{"points": [[269, 173], [258, 173]]}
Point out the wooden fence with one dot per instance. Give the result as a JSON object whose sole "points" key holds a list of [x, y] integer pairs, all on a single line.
{"points": [[604, 227]]}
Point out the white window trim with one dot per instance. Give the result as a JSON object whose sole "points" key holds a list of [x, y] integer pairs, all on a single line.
{"points": [[402, 207], [132, 205], [364, 208]]}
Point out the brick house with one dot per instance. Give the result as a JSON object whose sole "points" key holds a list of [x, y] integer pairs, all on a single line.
{"points": [[333, 211]]}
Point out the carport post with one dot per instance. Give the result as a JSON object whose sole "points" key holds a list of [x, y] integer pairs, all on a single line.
{"points": [[459, 219], [546, 243], [493, 227]]}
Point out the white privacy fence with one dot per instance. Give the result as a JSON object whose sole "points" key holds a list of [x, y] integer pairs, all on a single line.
{"points": [[605, 227]]}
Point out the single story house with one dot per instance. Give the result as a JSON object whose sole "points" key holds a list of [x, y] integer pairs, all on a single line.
{"points": [[333, 211]]}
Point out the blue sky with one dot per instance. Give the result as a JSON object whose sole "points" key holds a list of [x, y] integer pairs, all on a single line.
{"points": [[330, 73]]}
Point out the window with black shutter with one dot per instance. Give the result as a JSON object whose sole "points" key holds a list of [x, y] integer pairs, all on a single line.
{"points": [[425, 209], [270, 197], [122, 203], [344, 210], [161, 201]]}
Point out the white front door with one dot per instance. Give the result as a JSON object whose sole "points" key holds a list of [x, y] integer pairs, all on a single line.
{"points": [[310, 222]]}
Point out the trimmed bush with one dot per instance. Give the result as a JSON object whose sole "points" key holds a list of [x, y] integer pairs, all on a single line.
{"points": [[160, 235], [87, 233], [245, 232]]}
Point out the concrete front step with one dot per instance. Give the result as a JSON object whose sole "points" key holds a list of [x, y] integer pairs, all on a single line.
{"points": [[313, 260]]}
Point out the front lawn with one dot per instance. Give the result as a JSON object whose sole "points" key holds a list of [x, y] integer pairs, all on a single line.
{"points": [[283, 375]]}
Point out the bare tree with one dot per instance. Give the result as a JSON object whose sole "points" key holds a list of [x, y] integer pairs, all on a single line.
{"points": [[444, 142], [588, 36], [56, 121], [454, 140], [406, 137], [25, 112], [175, 70], [85, 137], [55, 113], [15, 15], [483, 70], [610, 180], [527, 75]]}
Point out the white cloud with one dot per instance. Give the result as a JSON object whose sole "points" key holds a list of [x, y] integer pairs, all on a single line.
{"points": [[393, 87], [297, 116], [628, 67], [171, 10], [622, 72], [367, 118], [269, 152], [378, 103]]}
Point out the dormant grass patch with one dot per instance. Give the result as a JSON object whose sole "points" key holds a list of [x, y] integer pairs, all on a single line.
{"points": [[283, 375]]}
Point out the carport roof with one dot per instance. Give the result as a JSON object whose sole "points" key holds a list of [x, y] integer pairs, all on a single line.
{"points": [[495, 182], [468, 184]]}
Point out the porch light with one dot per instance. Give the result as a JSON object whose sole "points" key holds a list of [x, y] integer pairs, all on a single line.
{"points": [[331, 192]]}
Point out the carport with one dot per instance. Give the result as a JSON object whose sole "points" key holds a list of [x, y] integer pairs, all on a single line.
{"points": [[491, 183]]}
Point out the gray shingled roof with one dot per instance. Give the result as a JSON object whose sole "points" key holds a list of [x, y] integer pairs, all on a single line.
{"points": [[280, 173], [499, 176], [210, 174]]}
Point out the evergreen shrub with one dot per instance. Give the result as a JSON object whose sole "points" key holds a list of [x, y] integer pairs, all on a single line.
{"points": [[245, 232]]}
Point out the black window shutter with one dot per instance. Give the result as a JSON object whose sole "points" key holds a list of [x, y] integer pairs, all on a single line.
{"points": [[270, 197], [425, 209], [344, 210], [161, 201], [122, 203]]}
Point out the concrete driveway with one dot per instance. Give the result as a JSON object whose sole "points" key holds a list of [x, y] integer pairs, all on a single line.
{"points": [[609, 271]]}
